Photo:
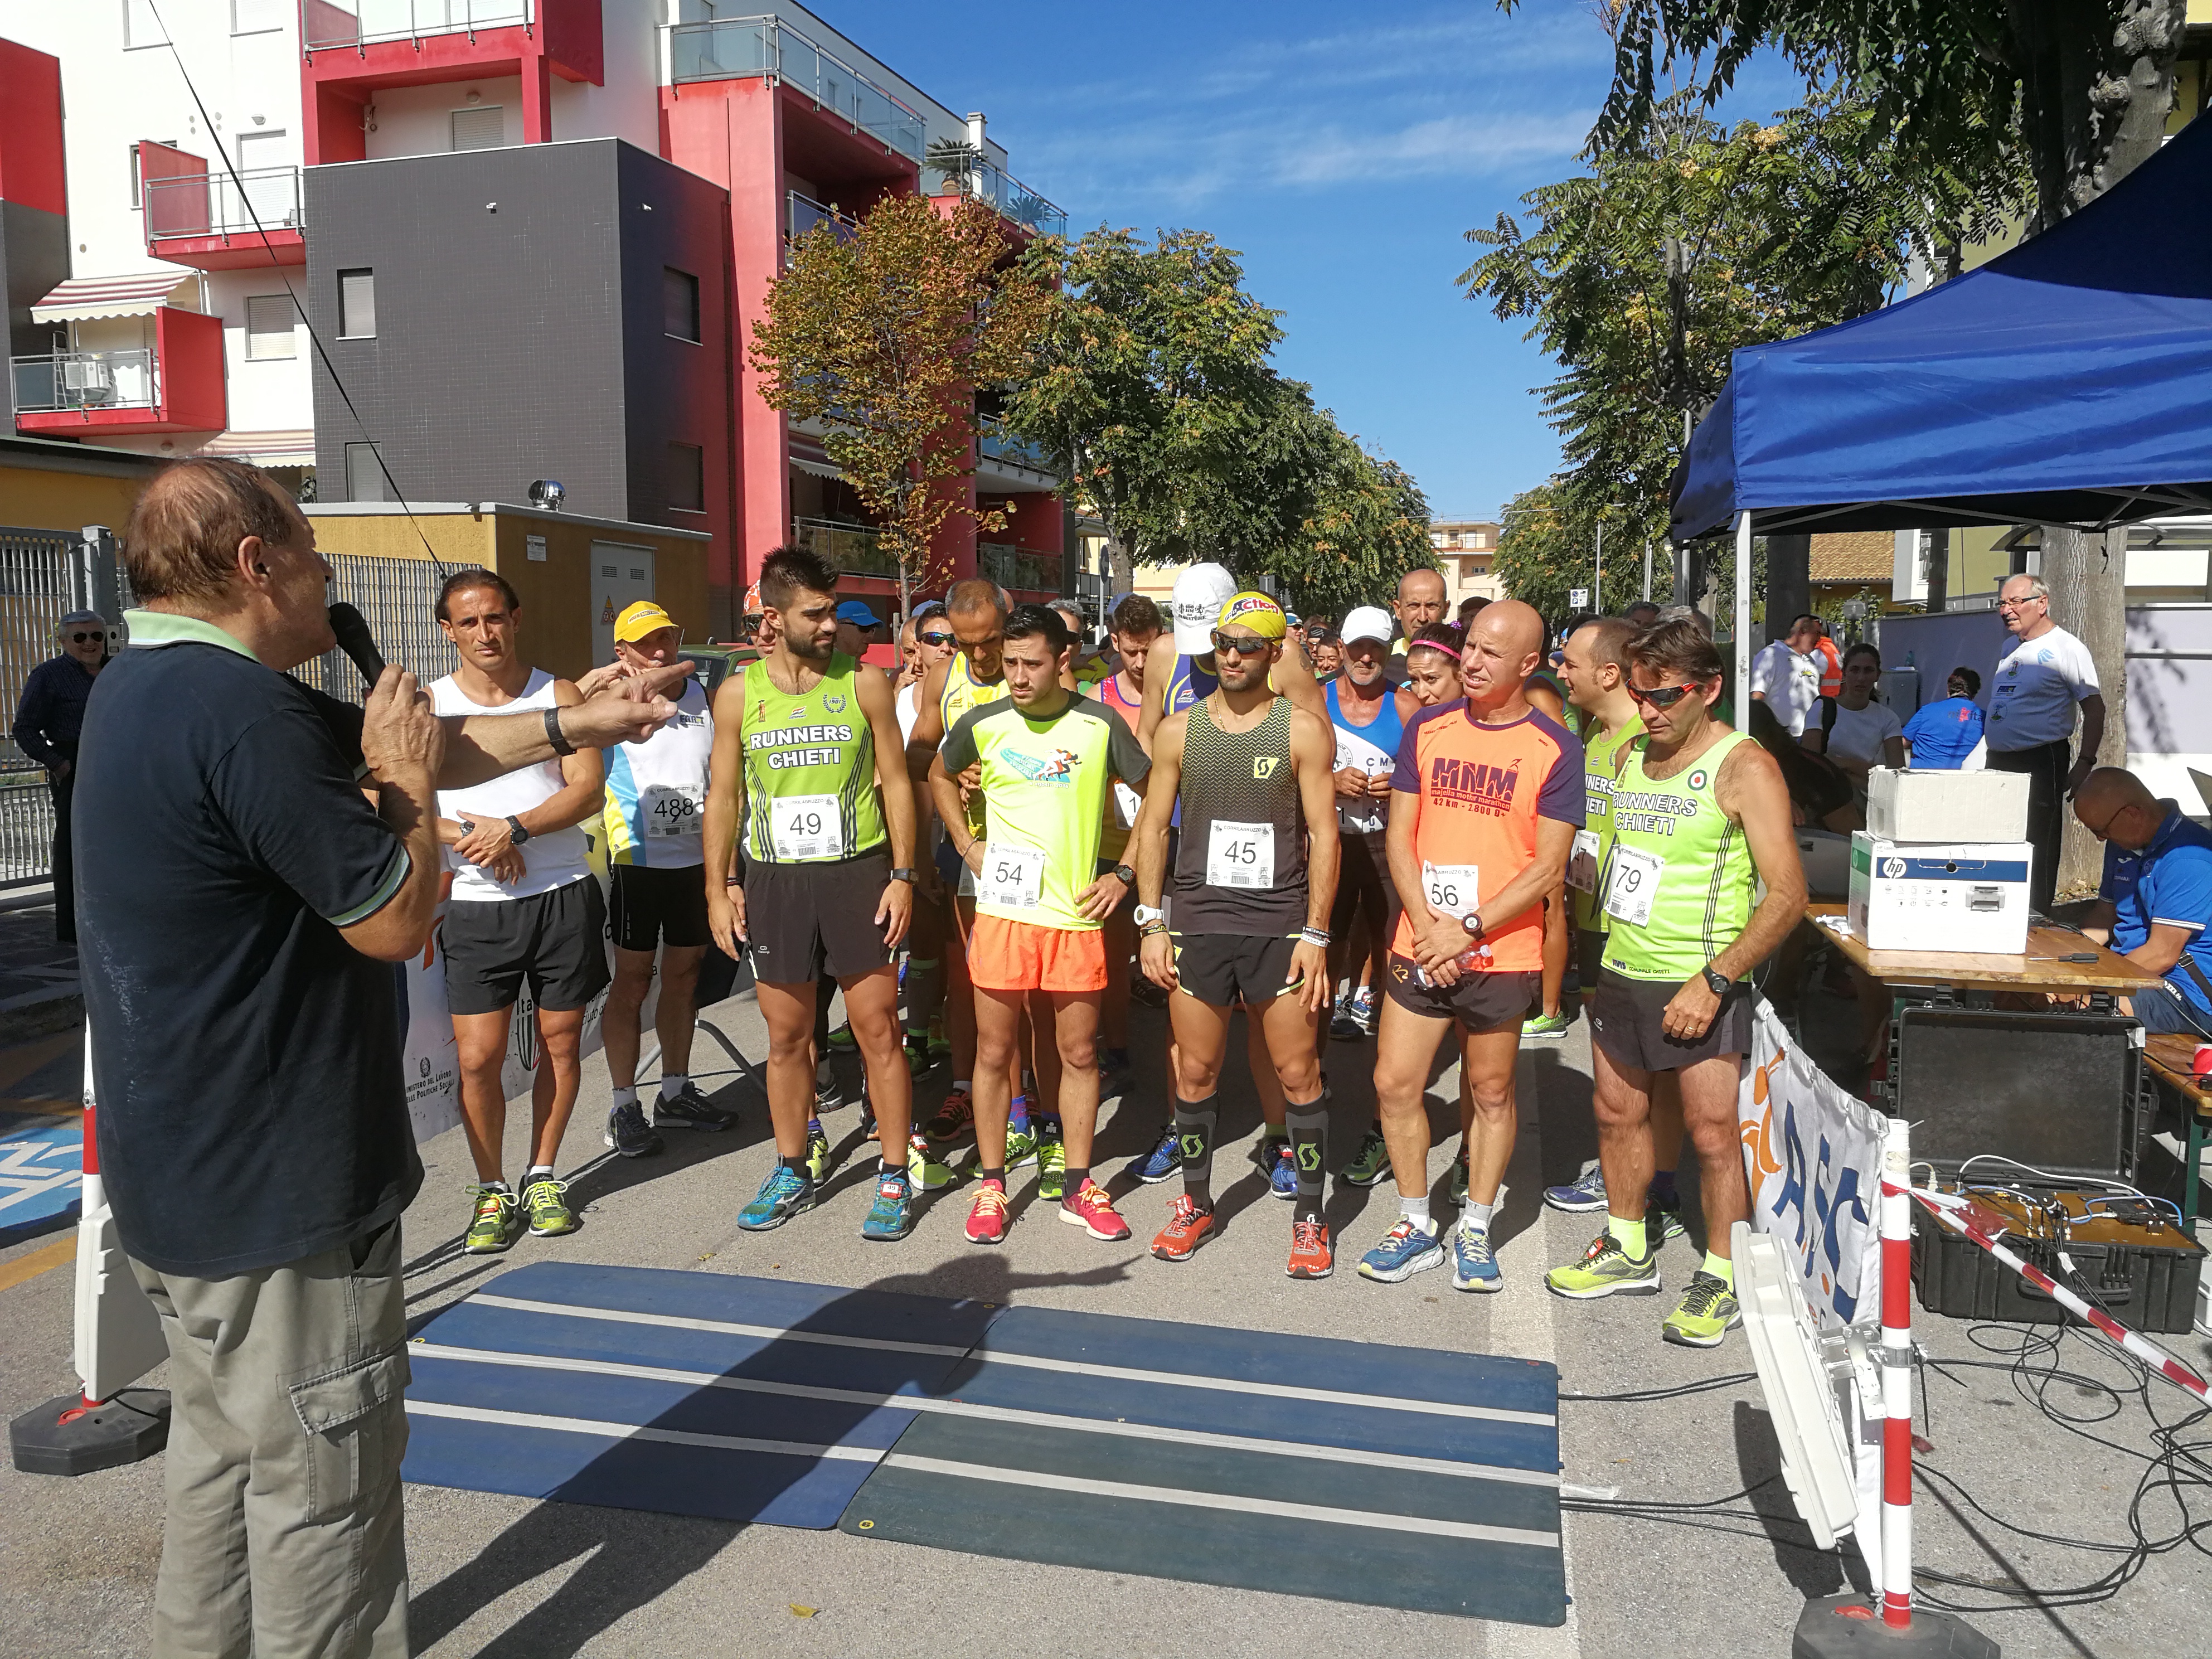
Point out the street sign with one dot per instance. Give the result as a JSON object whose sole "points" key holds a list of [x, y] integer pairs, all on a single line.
{"points": [[1578, 597]]}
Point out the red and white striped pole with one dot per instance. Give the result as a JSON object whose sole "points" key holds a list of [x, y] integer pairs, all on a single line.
{"points": [[1897, 1376]]}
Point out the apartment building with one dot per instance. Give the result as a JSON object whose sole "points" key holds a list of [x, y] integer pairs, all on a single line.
{"points": [[1465, 549], [531, 237]]}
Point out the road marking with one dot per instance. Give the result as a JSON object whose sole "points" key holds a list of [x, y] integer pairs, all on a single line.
{"points": [[61, 1251], [634, 1432], [953, 1407], [1211, 1500], [1066, 1367]]}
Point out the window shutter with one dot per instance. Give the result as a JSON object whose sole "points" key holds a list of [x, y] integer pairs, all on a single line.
{"points": [[268, 319], [483, 127]]}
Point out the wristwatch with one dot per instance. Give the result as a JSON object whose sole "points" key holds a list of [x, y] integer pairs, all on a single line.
{"points": [[1716, 981], [1128, 877], [1144, 914], [515, 832], [561, 745], [906, 876]]}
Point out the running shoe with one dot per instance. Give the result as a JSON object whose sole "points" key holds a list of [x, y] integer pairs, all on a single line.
{"points": [[1142, 990], [1371, 1162], [784, 1195], [1363, 1012], [940, 1045], [1708, 1311], [1341, 1025], [1605, 1269], [890, 1218], [1051, 1161], [1407, 1249], [629, 1134], [1585, 1193], [496, 1224], [1187, 1228], [1112, 1071], [817, 1150], [955, 1118], [546, 1200], [1268, 1154], [987, 1217], [1474, 1267], [1547, 1028], [1093, 1209], [923, 1166], [843, 1041], [1163, 1161], [1662, 1219], [1022, 1137], [829, 1093], [691, 1110], [1310, 1257], [1283, 1179], [1459, 1179], [918, 1057]]}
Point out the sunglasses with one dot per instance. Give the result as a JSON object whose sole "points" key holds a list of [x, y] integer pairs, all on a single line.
{"points": [[941, 640], [1243, 645], [85, 638], [1662, 696]]}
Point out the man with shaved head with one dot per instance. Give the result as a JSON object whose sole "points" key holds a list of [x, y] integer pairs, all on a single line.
{"points": [[2155, 904], [1484, 807]]}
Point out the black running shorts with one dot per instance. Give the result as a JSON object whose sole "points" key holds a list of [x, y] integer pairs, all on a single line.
{"points": [[805, 918], [1627, 1021], [1221, 967], [1481, 1002], [556, 940], [654, 905]]}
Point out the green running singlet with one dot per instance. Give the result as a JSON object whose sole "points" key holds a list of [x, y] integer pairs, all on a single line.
{"points": [[1601, 762], [810, 770], [1678, 891]]}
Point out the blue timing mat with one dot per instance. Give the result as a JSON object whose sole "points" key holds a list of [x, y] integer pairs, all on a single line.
{"points": [[1396, 1477], [683, 1393], [41, 1174]]}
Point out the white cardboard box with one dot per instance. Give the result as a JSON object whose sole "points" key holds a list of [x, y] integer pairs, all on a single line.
{"points": [[1909, 803], [1936, 895]]}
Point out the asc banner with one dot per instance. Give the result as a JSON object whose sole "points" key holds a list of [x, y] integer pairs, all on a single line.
{"points": [[1811, 1156]]}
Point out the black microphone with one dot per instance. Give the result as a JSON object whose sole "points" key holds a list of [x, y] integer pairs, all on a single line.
{"points": [[354, 639]]}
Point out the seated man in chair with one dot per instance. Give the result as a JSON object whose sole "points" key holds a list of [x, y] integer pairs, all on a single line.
{"points": [[2155, 904]]}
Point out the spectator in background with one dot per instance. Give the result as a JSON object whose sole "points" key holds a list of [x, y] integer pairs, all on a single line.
{"points": [[1944, 735], [928, 641], [48, 723], [1469, 609], [1853, 730], [864, 636], [1419, 605], [1323, 652], [1831, 664], [1433, 666], [1785, 675], [2154, 903], [1642, 613], [2042, 675]]}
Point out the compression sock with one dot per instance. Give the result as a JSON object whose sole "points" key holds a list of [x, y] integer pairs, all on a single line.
{"points": [[1720, 1268], [626, 1096], [1629, 1235], [1195, 1122], [673, 1083], [1308, 1125], [1017, 1114], [1663, 1186]]}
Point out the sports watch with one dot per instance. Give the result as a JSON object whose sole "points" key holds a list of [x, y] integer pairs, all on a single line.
{"points": [[1716, 981], [1128, 877], [1145, 915], [906, 876], [516, 833]]}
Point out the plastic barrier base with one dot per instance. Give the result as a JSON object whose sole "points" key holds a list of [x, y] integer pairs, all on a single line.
{"points": [[1845, 1627], [57, 1438]]}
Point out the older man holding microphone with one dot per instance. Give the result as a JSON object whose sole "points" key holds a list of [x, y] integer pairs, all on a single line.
{"points": [[240, 904]]}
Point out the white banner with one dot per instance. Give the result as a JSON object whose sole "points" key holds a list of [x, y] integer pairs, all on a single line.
{"points": [[1811, 1156]]}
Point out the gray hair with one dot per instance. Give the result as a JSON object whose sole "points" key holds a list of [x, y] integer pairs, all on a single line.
{"points": [[2036, 589], [1688, 613]]}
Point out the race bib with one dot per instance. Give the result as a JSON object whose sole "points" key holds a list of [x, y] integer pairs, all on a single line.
{"points": [[805, 827], [1128, 803], [1240, 854], [1450, 887], [671, 811], [1012, 878], [1635, 884], [1581, 863]]}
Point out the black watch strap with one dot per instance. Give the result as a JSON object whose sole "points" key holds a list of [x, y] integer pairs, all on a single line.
{"points": [[561, 745], [1128, 875], [516, 832], [1717, 982], [904, 875]]}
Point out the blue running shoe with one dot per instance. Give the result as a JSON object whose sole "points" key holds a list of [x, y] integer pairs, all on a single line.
{"points": [[1407, 1249], [1474, 1266], [1586, 1192], [781, 1196], [1283, 1174], [890, 1218], [1164, 1160]]}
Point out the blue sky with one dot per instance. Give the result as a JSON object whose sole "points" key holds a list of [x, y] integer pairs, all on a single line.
{"points": [[1345, 150]]}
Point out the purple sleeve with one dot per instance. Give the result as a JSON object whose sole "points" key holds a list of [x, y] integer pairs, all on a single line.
{"points": [[1563, 797], [1407, 775]]}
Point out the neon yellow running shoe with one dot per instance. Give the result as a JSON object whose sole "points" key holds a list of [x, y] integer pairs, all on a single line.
{"points": [[1605, 1269], [546, 1200], [817, 1151], [1021, 1143], [1708, 1311], [924, 1167], [495, 1222], [1051, 1161]]}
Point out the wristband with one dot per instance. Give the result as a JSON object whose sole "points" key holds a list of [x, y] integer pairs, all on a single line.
{"points": [[1152, 929], [561, 745], [1315, 936]]}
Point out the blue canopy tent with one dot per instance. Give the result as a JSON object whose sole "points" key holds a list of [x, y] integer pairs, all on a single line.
{"points": [[2068, 381]]}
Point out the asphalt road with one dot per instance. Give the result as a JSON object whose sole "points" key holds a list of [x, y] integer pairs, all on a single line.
{"points": [[501, 1575]]}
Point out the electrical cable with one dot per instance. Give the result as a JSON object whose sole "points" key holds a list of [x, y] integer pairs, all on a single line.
{"points": [[1640, 1396]]}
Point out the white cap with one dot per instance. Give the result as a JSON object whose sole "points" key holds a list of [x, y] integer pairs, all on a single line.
{"points": [[1200, 593], [1368, 622]]}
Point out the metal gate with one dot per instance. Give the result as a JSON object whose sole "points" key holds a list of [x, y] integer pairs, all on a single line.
{"points": [[398, 599]]}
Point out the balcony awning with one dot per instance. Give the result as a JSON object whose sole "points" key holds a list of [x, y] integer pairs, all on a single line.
{"points": [[818, 469], [287, 447], [82, 299]]}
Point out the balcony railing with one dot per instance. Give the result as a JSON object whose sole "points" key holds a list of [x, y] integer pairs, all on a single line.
{"points": [[731, 48], [1016, 566], [805, 213], [853, 550], [216, 204], [1000, 444], [1012, 199], [65, 382], [362, 22]]}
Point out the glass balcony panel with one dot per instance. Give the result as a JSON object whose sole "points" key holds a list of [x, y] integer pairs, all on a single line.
{"points": [[728, 48], [63, 380], [1002, 444], [215, 204], [358, 22], [852, 550]]}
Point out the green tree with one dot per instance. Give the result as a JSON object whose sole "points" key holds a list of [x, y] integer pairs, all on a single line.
{"points": [[1548, 546], [883, 334], [1366, 524]]}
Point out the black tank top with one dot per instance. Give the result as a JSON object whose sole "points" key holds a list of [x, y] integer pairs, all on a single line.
{"points": [[1242, 827]]}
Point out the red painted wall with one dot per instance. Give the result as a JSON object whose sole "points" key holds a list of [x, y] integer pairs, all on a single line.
{"points": [[31, 170], [190, 345]]}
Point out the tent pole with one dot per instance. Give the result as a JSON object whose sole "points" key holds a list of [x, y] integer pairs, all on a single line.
{"points": [[1742, 618], [1647, 570]]}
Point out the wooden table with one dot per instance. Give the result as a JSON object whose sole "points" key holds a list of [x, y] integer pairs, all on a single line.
{"points": [[2040, 968], [2171, 1059]]}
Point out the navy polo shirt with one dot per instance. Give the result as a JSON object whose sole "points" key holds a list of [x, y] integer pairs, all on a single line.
{"points": [[2168, 883], [245, 1059]]}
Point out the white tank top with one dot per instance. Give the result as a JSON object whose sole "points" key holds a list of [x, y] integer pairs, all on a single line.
{"points": [[554, 859]]}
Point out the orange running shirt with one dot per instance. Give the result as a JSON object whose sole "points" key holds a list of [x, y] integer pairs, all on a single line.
{"points": [[1478, 793]]}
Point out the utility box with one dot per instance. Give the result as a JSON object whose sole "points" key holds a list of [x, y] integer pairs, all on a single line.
{"points": [[1969, 896], [1907, 805]]}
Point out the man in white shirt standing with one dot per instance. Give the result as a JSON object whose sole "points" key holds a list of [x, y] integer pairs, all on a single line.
{"points": [[1785, 676], [2039, 679]]}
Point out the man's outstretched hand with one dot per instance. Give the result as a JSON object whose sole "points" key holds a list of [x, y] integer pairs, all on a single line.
{"points": [[623, 704]]}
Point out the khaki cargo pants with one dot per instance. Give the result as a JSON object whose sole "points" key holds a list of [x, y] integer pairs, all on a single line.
{"points": [[284, 1537]]}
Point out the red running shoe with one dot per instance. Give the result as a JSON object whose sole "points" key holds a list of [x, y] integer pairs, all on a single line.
{"points": [[1092, 1209], [986, 1220], [1187, 1228], [1310, 1252]]}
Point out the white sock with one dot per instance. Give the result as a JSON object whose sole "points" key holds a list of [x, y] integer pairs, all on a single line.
{"points": [[1477, 1217], [626, 1096], [535, 1170], [960, 1084], [1416, 1210], [673, 1083]]}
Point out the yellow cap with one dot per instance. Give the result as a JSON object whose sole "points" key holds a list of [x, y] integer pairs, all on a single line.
{"points": [[640, 619], [1256, 610]]}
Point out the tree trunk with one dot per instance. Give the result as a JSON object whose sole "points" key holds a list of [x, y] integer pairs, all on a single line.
{"points": [[2086, 575]]}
